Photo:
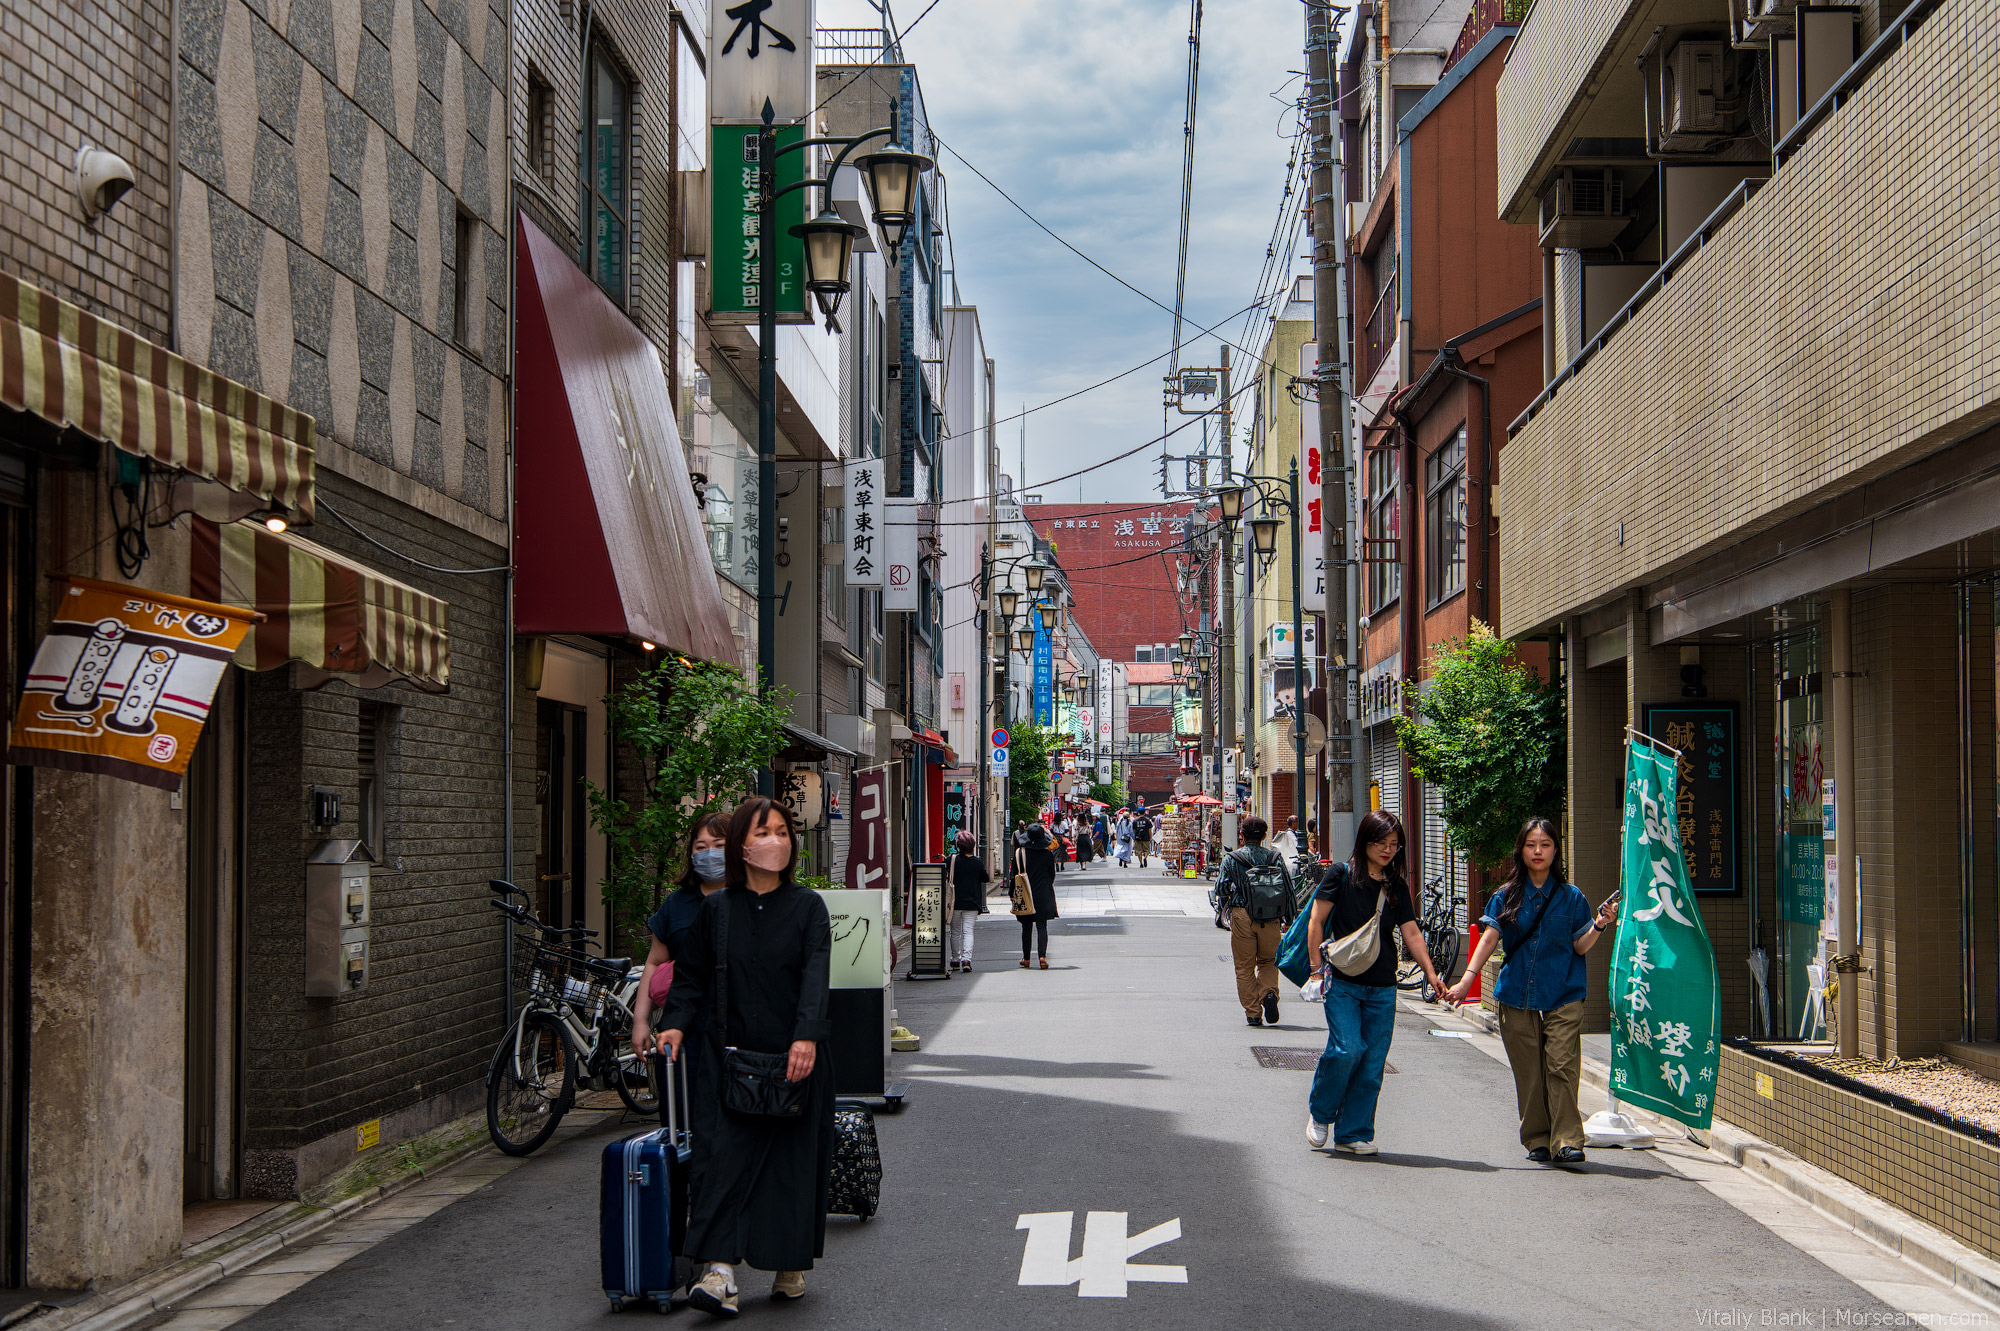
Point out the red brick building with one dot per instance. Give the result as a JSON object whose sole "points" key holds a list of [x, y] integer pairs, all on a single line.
{"points": [[1119, 559]]}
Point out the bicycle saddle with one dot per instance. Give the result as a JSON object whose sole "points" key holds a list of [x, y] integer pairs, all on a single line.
{"points": [[622, 963]]}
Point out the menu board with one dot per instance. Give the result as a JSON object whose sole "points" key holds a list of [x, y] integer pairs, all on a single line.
{"points": [[1706, 812]]}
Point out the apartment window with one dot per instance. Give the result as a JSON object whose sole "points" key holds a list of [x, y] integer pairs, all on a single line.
{"points": [[833, 574], [541, 126], [463, 257], [1444, 519], [608, 174], [370, 770], [1385, 569]]}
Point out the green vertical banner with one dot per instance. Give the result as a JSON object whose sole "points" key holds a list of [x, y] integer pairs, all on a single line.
{"points": [[1665, 1018], [738, 249]]}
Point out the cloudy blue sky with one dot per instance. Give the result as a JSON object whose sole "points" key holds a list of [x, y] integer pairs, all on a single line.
{"points": [[1075, 108]]}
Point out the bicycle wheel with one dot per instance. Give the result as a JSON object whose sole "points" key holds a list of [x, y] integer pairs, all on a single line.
{"points": [[1444, 950], [532, 1089], [634, 1081], [1409, 974]]}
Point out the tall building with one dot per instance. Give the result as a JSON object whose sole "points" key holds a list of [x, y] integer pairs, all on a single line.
{"points": [[1445, 313]]}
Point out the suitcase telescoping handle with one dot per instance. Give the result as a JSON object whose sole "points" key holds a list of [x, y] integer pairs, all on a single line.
{"points": [[673, 1082]]}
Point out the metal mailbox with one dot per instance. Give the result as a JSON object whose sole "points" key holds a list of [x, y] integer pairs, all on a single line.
{"points": [[338, 913]]}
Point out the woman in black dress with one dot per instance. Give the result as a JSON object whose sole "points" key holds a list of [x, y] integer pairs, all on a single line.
{"points": [[1036, 858], [758, 1186]]}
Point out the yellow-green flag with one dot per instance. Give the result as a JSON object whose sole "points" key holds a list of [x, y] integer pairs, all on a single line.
{"points": [[1665, 1020]]}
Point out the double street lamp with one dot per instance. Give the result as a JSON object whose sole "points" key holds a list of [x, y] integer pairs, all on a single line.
{"points": [[893, 173], [1279, 493]]}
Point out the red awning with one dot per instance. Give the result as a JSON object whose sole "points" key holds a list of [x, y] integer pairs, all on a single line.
{"points": [[932, 740], [607, 537]]}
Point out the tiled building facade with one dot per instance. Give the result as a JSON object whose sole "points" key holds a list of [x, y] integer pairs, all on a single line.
{"points": [[1771, 469]]}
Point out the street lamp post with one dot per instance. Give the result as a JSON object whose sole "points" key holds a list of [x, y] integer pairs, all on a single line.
{"points": [[1264, 528], [829, 243]]}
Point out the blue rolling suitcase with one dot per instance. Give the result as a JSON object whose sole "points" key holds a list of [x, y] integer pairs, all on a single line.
{"points": [[644, 1201]]}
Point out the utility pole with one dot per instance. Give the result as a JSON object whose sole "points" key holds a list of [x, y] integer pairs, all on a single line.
{"points": [[1329, 332], [1226, 629]]}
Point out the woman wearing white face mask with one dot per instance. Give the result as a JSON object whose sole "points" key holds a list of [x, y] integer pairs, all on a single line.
{"points": [[669, 924], [763, 948]]}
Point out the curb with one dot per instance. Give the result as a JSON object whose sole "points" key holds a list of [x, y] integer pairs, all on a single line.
{"points": [[1966, 1270], [152, 1294]]}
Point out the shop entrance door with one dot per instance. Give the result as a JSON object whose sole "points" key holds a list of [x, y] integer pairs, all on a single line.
{"points": [[561, 886], [1802, 766], [16, 917]]}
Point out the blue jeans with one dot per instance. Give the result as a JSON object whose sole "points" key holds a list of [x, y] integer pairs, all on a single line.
{"points": [[1360, 1019]]}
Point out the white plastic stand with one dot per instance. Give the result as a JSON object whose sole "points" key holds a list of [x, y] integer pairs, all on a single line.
{"points": [[1613, 1127]]}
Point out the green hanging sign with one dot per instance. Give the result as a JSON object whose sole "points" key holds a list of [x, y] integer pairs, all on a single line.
{"points": [[737, 243], [1665, 1002]]}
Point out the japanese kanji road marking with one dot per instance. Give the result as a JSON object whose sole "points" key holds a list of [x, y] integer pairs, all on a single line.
{"points": [[1106, 1268]]}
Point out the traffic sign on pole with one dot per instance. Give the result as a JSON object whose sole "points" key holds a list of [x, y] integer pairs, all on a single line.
{"points": [[1000, 738]]}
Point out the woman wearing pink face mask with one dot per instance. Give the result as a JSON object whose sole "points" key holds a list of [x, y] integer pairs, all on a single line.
{"points": [[758, 1186]]}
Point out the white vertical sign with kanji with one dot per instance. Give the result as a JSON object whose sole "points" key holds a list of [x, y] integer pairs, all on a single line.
{"points": [[866, 552]]}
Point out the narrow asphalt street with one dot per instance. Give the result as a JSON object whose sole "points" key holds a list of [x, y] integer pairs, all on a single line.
{"points": [[1124, 1080]]}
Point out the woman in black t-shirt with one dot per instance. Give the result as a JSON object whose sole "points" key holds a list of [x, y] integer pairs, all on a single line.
{"points": [[1361, 1008], [969, 878]]}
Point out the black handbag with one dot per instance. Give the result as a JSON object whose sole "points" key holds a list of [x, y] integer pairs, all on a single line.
{"points": [[753, 1083]]}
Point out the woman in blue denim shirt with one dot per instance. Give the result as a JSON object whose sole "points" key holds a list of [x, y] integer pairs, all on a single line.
{"points": [[1547, 926]]}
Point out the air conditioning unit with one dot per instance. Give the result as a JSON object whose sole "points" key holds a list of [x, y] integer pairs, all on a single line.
{"points": [[1695, 102], [1583, 210]]}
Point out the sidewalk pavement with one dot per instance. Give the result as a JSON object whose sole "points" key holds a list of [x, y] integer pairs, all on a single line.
{"points": [[1885, 1250]]}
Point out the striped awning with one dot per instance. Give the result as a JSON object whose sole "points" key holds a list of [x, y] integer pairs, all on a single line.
{"points": [[321, 609], [78, 371]]}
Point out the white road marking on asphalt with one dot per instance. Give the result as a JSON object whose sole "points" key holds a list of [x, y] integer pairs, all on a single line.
{"points": [[1106, 1268]]}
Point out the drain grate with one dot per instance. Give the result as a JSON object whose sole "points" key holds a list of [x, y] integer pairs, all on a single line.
{"points": [[1293, 1060]]}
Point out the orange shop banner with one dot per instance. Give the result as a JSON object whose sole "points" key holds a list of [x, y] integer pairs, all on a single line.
{"points": [[123, 682]]}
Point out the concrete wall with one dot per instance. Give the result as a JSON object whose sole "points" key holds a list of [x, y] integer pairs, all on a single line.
{"points": [[108, 982]]}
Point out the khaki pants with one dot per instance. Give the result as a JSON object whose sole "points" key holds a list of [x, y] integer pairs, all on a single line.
{"points": [[1546, 1052], [1255, 948]]}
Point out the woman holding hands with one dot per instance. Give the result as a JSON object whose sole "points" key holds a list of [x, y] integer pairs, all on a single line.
{"points": [[1547, 927]]}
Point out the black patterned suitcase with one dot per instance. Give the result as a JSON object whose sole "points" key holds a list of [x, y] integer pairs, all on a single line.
{"points": [[857, 1162]]}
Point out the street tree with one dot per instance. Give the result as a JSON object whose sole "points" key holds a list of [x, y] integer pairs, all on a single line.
{"points": [[1489, 734], [697, 735]]}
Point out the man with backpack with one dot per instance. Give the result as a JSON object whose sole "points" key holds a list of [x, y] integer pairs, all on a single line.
{"points": [[1257, 886]]}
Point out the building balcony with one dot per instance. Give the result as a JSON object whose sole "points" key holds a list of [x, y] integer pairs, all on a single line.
{"points": [[1813, 333], [1378, 334]]}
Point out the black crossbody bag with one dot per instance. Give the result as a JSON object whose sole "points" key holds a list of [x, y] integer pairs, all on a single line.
{"points": [[753, 1083]]}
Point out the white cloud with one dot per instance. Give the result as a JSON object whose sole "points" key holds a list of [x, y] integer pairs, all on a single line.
{"points": [[1075, 107]]}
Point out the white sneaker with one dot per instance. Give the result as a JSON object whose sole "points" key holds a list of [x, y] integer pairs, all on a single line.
{"points": [[715, 1293], [1356, 1148], [1316, 1133]]}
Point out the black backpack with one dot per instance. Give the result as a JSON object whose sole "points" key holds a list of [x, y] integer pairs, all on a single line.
{"points": [[1264, 894]]}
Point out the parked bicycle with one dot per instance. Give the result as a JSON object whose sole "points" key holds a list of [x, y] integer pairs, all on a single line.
{"points": [[1441, 938], [574, 1027]]}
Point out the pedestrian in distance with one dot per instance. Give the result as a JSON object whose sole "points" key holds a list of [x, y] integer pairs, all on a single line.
{"points": [[1258, 889], [1286, 843], [1098, 830], [1142, 833], [1037, 860], [1123, 831], [969, 877], [763, 947], [1548, 926], [701, 878], [1369, 892], [1085, 851]]}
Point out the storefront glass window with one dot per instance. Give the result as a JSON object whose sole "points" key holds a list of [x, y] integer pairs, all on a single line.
{"points": [[1801, 870]]}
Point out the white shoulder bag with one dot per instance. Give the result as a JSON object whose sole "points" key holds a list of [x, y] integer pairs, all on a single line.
{"points": [[1357, 951]]}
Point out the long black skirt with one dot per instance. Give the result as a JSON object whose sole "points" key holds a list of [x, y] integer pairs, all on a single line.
{"points": [[758, 1187]]}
